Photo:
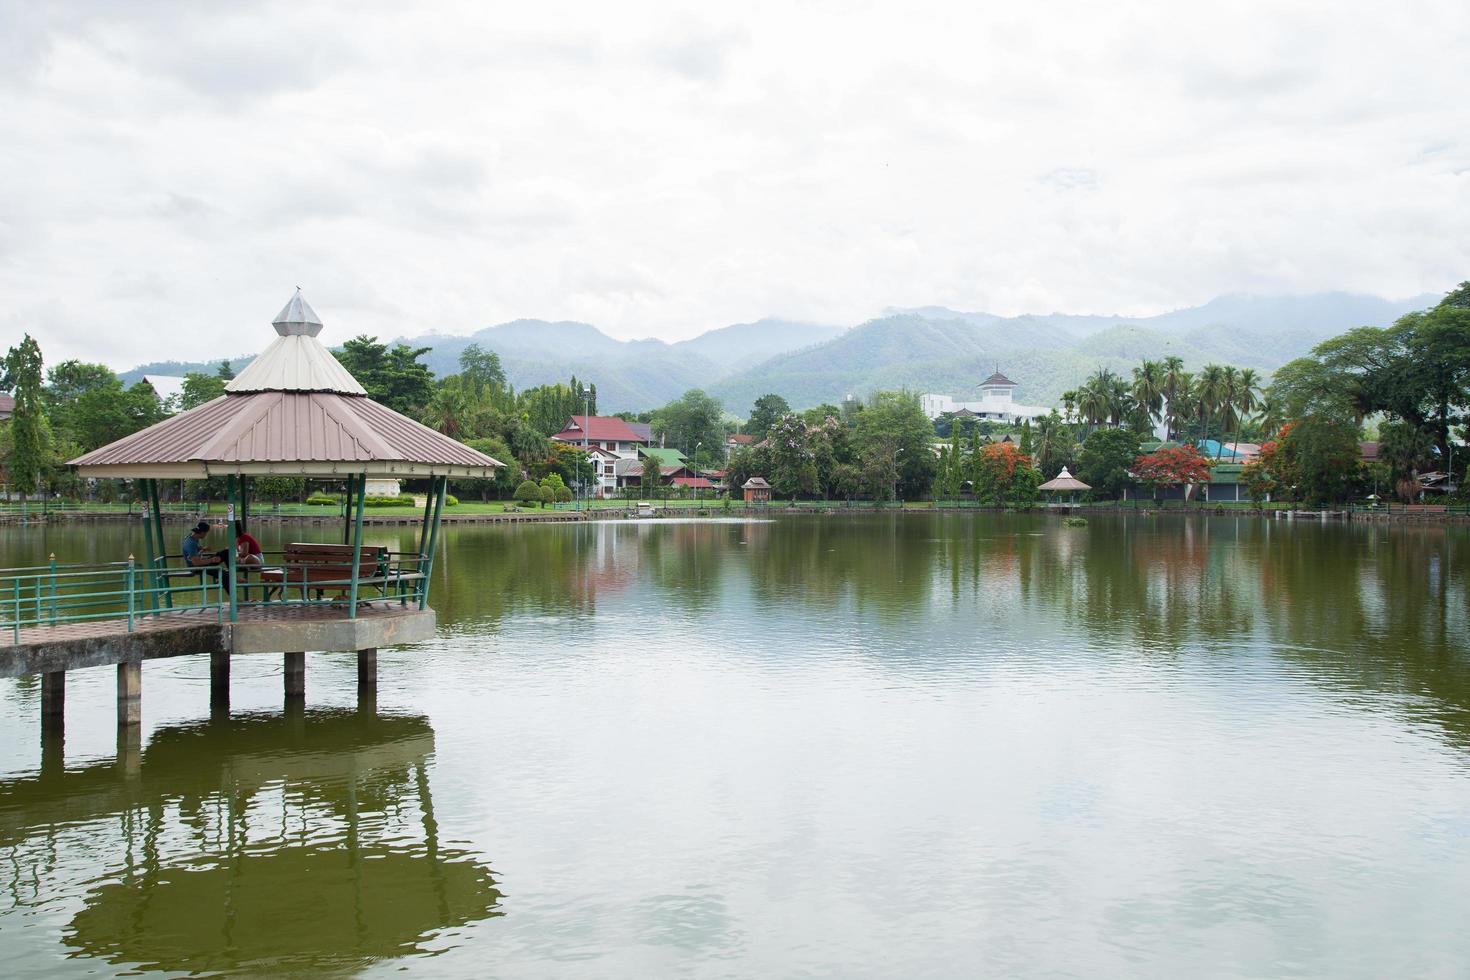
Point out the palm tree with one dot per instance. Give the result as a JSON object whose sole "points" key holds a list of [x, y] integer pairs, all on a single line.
{"points": [[1148, 388], [1120, 399], [1247, 392], [1230, 385], [1050, 434], [1069, 403], [1175, 387], [448, 411], [1209, 391], [1094, 398]]}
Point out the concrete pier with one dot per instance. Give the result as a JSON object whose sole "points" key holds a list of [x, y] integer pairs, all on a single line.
{"points": [[130, 694], [53, 699], [295, 675], [219, 686], [53, 652], [367, 669], [53, 721], [130, 716], [367, 681]]}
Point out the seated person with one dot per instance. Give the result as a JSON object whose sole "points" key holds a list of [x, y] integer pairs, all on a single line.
{"points": [[196, 557], [247, 549]]}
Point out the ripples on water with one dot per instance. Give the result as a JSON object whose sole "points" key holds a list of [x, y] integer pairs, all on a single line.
{"points": [[859, 747]]}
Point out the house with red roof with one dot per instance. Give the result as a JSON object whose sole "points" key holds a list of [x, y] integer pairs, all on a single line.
{"points": [[608, 439], [738, 441]]}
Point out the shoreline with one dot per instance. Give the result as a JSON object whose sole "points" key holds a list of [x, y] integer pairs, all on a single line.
{"points": [[611, 513]]}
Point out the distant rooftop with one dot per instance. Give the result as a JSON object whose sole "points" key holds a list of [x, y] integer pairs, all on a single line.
{"points": [[602, 428]]}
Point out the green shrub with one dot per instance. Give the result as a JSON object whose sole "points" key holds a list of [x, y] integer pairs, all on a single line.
{"points": [[564, 495], [450, 500], [321, 498], [528, 492]]}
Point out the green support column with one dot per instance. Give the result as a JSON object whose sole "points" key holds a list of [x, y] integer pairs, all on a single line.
{"points": [[424, 527], [440, 485], [152, 577], [233, 482], [160, 580], [244, 513], [347, 509], [356, 548]]}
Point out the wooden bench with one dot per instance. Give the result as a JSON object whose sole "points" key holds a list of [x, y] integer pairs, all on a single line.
{"points": [[304, 564]]}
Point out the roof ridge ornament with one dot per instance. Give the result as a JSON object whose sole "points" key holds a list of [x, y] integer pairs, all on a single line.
{"points": [[297, 318]]}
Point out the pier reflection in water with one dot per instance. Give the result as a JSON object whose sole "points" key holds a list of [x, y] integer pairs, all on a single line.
{"points": [[265, 844]]}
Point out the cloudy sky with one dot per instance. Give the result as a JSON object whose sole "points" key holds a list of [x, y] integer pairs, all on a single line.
{"points": [[168, 173]]}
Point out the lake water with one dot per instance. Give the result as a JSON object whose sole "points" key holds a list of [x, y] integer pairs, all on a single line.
{"points": [[877, 746]]}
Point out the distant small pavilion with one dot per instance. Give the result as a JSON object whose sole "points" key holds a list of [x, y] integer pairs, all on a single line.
{"points": [[1064, 482], [757, 490]]}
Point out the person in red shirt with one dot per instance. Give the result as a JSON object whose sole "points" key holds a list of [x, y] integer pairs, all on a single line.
{"points": [[247, 549]]}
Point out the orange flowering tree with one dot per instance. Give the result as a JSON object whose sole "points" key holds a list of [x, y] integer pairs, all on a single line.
{"points": [[1003, 476], [1170, 466]]}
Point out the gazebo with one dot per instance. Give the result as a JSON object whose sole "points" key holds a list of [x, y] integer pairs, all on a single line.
{"points": [[757, 490], [294, 411], [1064, 482]]}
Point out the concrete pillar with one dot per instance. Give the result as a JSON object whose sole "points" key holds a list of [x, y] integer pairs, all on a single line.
{"points": [[367, 681], [53, 721], [219, 686], [130, 716], [129, 694], [367, 669], [296, 675], [53, 698], [130, 749]]}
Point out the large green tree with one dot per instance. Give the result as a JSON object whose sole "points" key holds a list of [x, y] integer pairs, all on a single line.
{"points": [[767, 409], [891, 442], [393, 375], [1104, 462], [28, 429], [693, 419]]}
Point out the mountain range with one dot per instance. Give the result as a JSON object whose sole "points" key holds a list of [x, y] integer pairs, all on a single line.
{"points": [[922, 349]]}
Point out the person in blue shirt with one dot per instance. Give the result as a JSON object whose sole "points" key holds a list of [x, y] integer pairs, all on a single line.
{"points": [[196, 557]]}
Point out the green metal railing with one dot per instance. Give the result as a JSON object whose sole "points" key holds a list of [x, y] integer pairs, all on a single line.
{"points": [[57, 594]]}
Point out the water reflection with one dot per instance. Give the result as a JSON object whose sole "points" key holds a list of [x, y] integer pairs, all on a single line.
{"points": [[262, 844]]}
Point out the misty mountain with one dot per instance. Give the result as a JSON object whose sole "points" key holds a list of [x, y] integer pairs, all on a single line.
{"points": [[933, 349], [921, 349]]}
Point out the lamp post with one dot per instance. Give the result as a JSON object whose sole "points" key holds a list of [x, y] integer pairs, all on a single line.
{"points": [[586, 449], [896, 453]]}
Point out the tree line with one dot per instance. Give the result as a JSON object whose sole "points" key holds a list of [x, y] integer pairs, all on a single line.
{"points": [[1409, 383]]}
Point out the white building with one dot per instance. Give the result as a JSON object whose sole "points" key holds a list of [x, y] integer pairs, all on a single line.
{"points": [[995, 404], [608, 440]]}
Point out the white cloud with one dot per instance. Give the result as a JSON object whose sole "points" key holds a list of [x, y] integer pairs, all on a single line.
{"points": [[171, 172]]}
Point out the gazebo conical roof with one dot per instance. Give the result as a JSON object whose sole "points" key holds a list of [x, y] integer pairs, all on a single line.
{"points": [[1064, 481], [294, 411]]}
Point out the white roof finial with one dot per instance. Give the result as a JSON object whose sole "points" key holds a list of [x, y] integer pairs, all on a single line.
{"points": [[296, 360], [297, 318]]}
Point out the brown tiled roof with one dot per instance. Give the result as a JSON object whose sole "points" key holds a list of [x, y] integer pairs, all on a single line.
{"points": [[7, 406], [286, 432], [741, 440], [997, 379], [755, 483], [1368, 450], [601, 428]]}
